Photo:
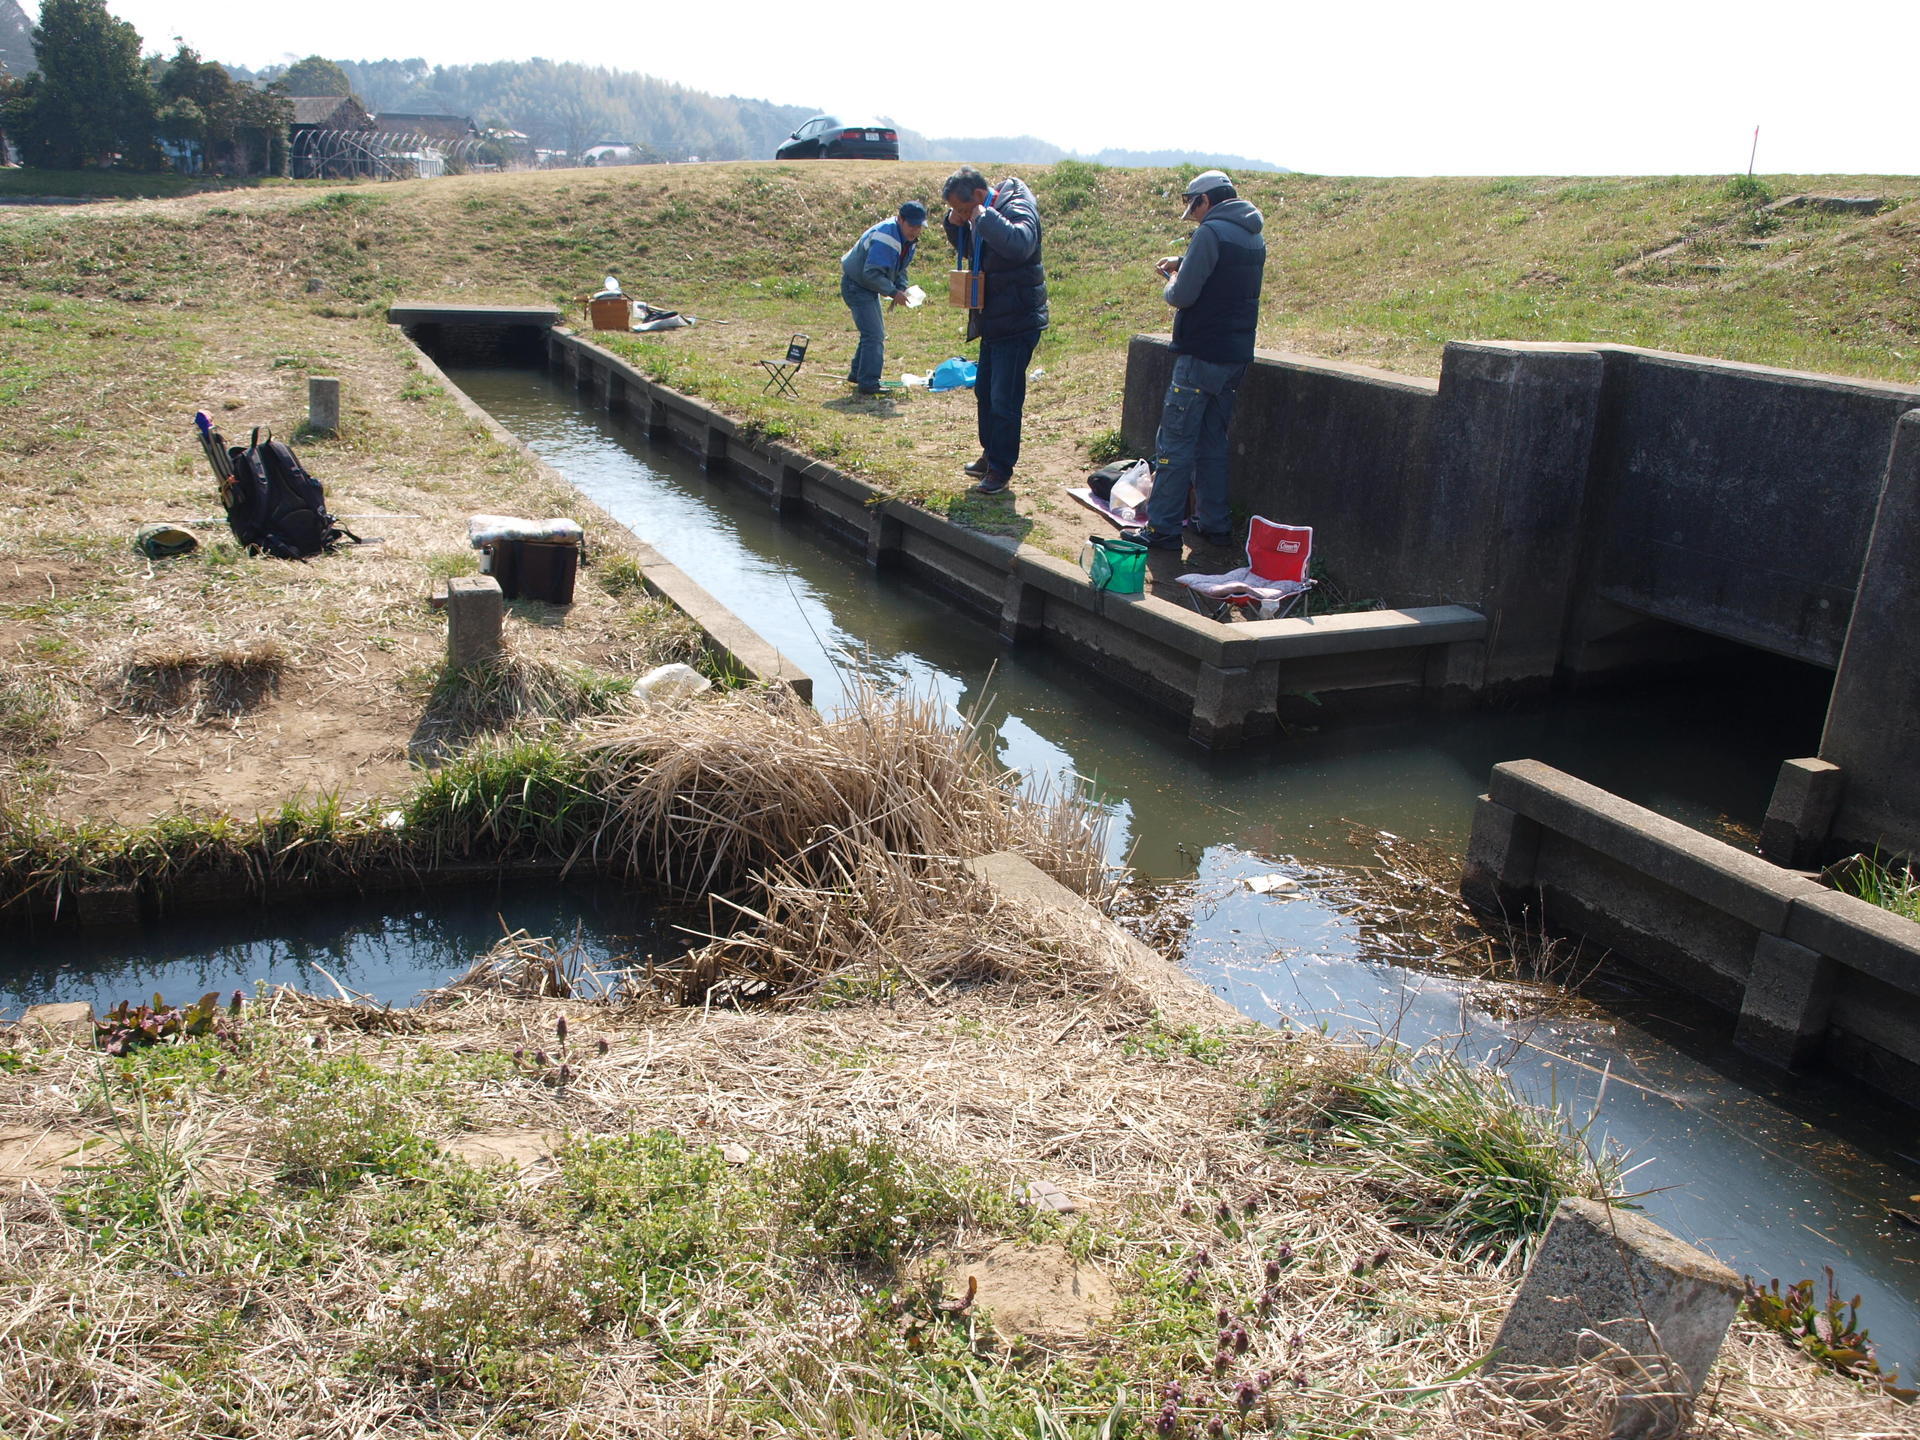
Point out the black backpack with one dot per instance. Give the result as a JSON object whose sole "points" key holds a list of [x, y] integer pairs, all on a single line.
{"points": [[274, 505]]}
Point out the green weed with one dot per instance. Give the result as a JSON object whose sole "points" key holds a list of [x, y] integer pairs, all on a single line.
{"points": [[335, 1121], [1459, 1152], [861, 1200], [1889, 885], [1109, 446], [483, 1319]]}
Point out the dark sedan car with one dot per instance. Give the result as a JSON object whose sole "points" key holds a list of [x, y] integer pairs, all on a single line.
{"points": [[825, 138]]}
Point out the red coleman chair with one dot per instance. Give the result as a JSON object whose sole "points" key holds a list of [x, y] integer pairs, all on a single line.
{"points": [[1268, 585]]}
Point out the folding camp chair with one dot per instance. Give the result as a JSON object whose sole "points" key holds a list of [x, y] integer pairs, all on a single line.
{"points": [[1271, 582], [781, 372]]}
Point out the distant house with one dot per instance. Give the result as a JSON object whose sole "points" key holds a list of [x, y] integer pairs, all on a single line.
{"points": [[329, 112]]}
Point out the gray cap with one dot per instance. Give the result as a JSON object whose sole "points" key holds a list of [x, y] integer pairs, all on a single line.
{"points": [[1206, 180]]}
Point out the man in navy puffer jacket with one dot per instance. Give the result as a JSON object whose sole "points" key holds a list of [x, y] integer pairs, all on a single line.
{"points": [[1215, 292], [996, 231]]}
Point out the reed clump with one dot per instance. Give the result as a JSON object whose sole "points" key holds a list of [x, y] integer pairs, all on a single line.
{"points": [[191, 681], [756, 782], [513, 693], [36, 712]]}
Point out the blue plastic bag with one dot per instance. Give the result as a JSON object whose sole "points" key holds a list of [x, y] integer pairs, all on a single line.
{"points": [[954, 374]]}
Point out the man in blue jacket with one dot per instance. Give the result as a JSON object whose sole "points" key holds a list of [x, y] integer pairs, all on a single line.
{"points": [[996, 232], [876, 266], [1215, 293]]}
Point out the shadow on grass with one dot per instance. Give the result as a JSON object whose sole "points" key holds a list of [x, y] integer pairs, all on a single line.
{"points": [[989, 514], [121, 185]]}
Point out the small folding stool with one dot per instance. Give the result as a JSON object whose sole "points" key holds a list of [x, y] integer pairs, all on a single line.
{"points": [[780, 373]]}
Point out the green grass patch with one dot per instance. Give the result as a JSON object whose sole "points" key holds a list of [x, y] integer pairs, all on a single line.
{"points": [[1888, 884], [1455, 1150]]}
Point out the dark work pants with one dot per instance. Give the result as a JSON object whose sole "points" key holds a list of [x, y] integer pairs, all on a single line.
{"points": [[1000, 394]]}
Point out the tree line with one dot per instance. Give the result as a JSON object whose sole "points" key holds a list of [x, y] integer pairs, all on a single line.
{"points": [[95, 100]]}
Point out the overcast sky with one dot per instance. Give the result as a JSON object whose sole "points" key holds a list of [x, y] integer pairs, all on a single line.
{"points": [[1382, 88]]}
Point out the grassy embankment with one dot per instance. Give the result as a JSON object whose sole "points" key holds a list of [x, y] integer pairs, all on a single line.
{"points": [[121, 318]]}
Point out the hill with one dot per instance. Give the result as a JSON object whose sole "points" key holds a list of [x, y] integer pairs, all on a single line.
{"points": [[16, 40], [568, 106]]}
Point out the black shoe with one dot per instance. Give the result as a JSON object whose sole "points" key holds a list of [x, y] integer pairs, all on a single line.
{"points": [[1223, 539], [993, 482], [978, 468], [873, 389], [1153, 539]]}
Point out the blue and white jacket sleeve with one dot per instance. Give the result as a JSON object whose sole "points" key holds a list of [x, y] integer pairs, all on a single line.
{"points": [[885, 270]]}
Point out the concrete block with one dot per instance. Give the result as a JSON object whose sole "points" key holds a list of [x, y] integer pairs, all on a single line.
{"points": [[1233, 703], [1859, 935], [409, 312], [1789, 997], [1299, 639], [72, 1019], [1023, 614], [1514, 432], [1611, 1285], [1705, 465], [475, 613], [1716, 874], [1806, 796], [884, 533], [323, 405], [785, 494], [724, 630], [1169, 989], [1501, 854]]}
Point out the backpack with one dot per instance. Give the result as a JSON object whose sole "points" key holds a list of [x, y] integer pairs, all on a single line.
{"points": [[274, 505]]}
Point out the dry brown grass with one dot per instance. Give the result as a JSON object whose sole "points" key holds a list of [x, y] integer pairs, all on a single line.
{"points": [[1015, 1082], [187, 680], [751, 781]]}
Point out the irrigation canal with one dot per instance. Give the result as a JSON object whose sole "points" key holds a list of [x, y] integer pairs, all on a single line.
{"points": [[1775, 1181]]}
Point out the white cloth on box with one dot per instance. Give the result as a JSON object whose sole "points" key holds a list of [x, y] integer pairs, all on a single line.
{"points": [[483, 530]]}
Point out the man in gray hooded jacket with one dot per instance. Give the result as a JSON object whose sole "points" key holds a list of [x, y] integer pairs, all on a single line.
{"points": [[1215, 292]]}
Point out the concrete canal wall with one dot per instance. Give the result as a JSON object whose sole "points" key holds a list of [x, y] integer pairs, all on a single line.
{"points": [[1230, 683], [1608, 507], [507, 330], [1816, 978]]}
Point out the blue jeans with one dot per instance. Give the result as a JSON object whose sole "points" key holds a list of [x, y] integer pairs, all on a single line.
{"points": [[1190, 451], [871, 356], [1000, 394]]}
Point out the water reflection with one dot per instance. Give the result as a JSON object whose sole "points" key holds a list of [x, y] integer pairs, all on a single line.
{"points": [[388, 947]]}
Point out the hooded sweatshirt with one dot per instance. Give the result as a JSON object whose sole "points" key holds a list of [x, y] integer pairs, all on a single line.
{"points": [[1216, 290]]}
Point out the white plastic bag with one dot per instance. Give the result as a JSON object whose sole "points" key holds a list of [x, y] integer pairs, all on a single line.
{"points": [[915, 297], [1128, 498], [671, 684]]}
